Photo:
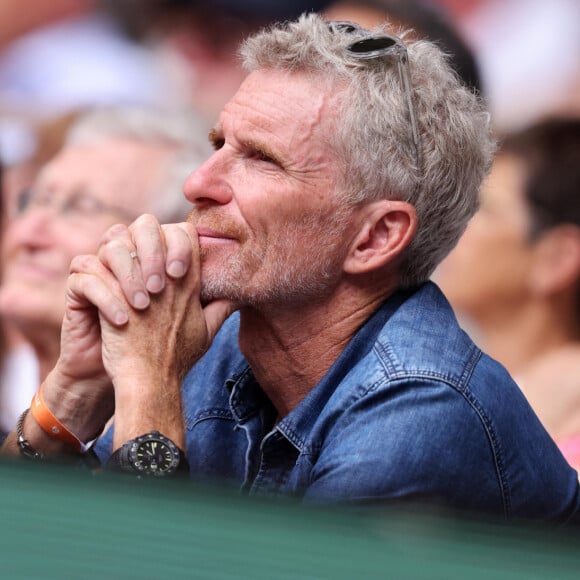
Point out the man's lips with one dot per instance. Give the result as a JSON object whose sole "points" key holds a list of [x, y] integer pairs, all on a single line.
{"points": [[203, 232]]}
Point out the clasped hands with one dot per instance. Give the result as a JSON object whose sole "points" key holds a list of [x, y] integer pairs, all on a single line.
{"points": [[133, 325]]}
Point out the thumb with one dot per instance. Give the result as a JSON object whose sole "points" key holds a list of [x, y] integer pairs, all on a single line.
{"points": [[215, 314]]}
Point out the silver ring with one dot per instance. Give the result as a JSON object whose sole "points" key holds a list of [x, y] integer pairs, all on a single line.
{"points": [[133, 255]]}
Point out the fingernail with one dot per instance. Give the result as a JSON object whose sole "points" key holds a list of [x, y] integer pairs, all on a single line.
{"points": [[155, 283], [121, 317], [140, 300], [176, 269]]}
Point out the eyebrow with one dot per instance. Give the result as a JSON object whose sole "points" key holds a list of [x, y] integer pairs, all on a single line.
{"points": [[215, 137], [263, 149]]}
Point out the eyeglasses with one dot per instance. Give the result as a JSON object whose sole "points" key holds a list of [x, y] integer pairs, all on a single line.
{"points": [[384, 45], [77, 207]]}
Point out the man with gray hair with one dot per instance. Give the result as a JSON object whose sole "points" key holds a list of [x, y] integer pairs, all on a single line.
{"points": [[116, 163], [345, 168]]}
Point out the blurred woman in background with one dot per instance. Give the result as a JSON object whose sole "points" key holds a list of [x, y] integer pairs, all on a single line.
{"points": [[515, 274]]}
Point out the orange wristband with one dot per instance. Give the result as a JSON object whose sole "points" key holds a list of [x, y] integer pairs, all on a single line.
{"points": [[51, 425]]}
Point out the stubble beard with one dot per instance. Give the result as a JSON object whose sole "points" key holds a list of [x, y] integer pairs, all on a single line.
{"points": [[302, 264]]}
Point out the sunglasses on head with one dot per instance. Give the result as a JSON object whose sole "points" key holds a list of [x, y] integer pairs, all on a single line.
{"points": [[378, 46]]}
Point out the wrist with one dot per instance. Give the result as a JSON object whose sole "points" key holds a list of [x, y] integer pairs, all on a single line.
{"points": [[142, 406], [53, 449], [53, 427], [83, 407], [34, 442]]}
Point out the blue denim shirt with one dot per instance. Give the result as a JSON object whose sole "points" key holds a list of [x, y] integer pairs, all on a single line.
{"points": [[411, 409]]}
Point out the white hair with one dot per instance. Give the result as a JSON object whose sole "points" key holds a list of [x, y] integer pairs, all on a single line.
{"points": [[373, 132], [184, 131]]}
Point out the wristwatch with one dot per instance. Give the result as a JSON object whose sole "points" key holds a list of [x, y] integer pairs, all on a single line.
{"points": [[150, 454]]}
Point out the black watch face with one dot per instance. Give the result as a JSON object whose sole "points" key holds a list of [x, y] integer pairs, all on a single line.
{"points": [[154, 457]]}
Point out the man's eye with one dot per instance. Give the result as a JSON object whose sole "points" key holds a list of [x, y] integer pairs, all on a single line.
{"points": [[217, 143], [265, 157]]}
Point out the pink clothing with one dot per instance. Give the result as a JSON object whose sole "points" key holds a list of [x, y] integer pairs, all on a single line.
{"points": [[570, 448]]}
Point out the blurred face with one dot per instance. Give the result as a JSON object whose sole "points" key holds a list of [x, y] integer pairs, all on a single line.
{"points": [[269, 227], [75, 198], [486, 274]]}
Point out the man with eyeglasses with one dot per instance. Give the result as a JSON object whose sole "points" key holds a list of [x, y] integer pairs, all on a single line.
{"points": [[345, 167], [116, 164]]}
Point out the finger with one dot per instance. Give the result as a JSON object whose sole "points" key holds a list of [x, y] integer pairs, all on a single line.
{"points": [[116, 251], [150, 245], [117, 232], [118, 258], [179, 240], [84, 289]]}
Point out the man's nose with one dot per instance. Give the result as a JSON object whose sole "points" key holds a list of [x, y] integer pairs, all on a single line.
{"points": [[209, 183], [33, 228]]}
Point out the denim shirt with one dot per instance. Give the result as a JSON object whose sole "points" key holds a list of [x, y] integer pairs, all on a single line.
{"points": [[411, 409]]}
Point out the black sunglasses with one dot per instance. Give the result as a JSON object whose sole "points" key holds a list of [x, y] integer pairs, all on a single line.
{"points": [[377, 46]]}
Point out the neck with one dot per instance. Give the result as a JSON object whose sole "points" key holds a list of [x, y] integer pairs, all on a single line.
{"points": [[518, 338], [552, 386], [290, 350], [541, 348]]}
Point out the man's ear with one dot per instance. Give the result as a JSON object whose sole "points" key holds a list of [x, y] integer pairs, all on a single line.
{"points": [[556, 264], [386, 228]]}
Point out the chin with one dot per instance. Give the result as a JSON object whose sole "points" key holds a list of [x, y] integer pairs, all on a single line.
{"points": [[209, 294], [23, 302]]}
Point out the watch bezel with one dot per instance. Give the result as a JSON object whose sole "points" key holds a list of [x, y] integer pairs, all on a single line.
{"points": [[154, 436]]}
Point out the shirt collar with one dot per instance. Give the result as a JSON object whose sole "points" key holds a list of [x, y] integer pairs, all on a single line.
{"points": [[297, 425], [247, 398]]}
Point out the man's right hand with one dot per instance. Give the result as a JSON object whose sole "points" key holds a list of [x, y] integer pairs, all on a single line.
{"points": [[104, 292], [157, 270]]}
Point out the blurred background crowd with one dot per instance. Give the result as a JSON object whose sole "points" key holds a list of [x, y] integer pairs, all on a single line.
{"points": [[514, 278], [61, 56]]}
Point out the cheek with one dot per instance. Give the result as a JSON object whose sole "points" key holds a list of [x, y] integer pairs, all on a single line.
{"points": [[9, 243], [302, 215], [17, 236], [487, 243], [501, 250], [486, 263]]}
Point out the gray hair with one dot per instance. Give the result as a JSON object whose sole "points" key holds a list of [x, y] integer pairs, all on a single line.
{"points": [[373, 131], [182, 130]]}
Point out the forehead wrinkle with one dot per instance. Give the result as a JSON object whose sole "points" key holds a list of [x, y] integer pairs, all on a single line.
{"points": [[311, 127], [311, 146], [265, 112]]}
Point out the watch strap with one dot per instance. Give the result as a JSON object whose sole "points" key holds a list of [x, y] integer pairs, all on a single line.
{"points": [[121, 461], [117, 463]]}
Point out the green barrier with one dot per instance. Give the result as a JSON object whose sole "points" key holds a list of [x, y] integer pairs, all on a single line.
{"points": [[62, 523]]}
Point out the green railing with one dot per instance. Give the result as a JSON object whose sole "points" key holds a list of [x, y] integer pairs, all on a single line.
{"points": [[63, 523]]}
